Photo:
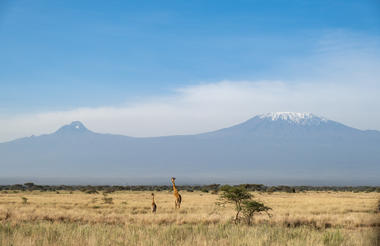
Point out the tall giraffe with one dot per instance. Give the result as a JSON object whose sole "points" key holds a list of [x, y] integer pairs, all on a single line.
{"points": [[154, 206], [177, 196]]}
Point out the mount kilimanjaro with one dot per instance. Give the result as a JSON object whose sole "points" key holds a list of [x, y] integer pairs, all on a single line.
{"points": [[291, 148]]}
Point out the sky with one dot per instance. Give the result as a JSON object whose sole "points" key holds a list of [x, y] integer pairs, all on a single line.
{"points": [[154, 68]]}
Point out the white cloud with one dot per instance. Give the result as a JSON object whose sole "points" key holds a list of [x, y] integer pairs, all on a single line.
{"points": [[208, 107]]}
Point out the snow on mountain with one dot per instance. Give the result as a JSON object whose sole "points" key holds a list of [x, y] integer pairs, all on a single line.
{"points": [[298, 118], [286, 125], [74, 127]]}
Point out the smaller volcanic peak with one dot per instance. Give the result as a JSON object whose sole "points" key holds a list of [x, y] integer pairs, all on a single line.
{"points": [[72, 128]]}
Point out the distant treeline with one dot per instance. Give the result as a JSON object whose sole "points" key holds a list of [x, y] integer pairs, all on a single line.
{"points": [[213, 188]]}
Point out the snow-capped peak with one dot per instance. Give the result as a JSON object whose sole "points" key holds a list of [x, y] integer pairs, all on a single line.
{"points": [[294, 117], [74, 127], [77, 125]]}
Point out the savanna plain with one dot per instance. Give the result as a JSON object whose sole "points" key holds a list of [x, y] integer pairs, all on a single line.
{"points": [[125, 218]]}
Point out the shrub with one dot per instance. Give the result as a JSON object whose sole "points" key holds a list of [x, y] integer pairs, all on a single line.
{"points": [[24, 200], [250, 207], [106, 199], [204, 190], [91, 191], [236, 196]]}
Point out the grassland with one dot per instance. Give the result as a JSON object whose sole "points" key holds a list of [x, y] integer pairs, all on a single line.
{"points": [[77, 218]]}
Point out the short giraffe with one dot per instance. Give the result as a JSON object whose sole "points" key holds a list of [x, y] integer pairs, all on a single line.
{"points": [[154, 206]]}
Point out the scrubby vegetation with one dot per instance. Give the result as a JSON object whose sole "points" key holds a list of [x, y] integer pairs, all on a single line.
{"points": [[213, 188]]}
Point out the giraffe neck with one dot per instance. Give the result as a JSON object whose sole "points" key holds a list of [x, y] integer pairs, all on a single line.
{"points": [[174, 189], [152, 199]]}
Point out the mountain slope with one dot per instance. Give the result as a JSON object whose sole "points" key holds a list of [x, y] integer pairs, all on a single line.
{"points": [[266, 147]]}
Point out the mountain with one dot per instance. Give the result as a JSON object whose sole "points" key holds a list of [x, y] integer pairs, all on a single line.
{"points": [[291, 148]]}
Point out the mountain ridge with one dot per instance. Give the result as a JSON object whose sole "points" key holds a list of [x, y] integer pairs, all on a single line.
{"points": [[302, 119], [263, 147]]}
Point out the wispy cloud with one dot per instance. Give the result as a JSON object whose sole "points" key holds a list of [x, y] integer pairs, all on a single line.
{"points": [[208, 107]]}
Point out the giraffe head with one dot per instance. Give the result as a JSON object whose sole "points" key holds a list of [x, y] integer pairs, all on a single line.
{"points": [[173, 179], [152, 194]]}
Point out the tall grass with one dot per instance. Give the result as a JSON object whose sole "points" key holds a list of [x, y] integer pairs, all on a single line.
{"points": [[57, 233], [310, 218]]}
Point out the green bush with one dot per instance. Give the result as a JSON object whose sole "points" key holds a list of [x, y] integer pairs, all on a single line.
{"points": [[24, 200], [250, 207], [236, 196], [204, 190]]}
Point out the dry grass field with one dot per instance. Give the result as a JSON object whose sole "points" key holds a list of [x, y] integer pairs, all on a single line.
{"points": [[77, 218]]}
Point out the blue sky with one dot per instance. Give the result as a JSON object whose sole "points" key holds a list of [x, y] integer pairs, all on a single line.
{"points": [[60, 57]]}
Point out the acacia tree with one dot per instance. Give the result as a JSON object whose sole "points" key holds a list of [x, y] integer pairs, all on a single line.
{"points": [[236, 195], [242, 199], [250, 207]]}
